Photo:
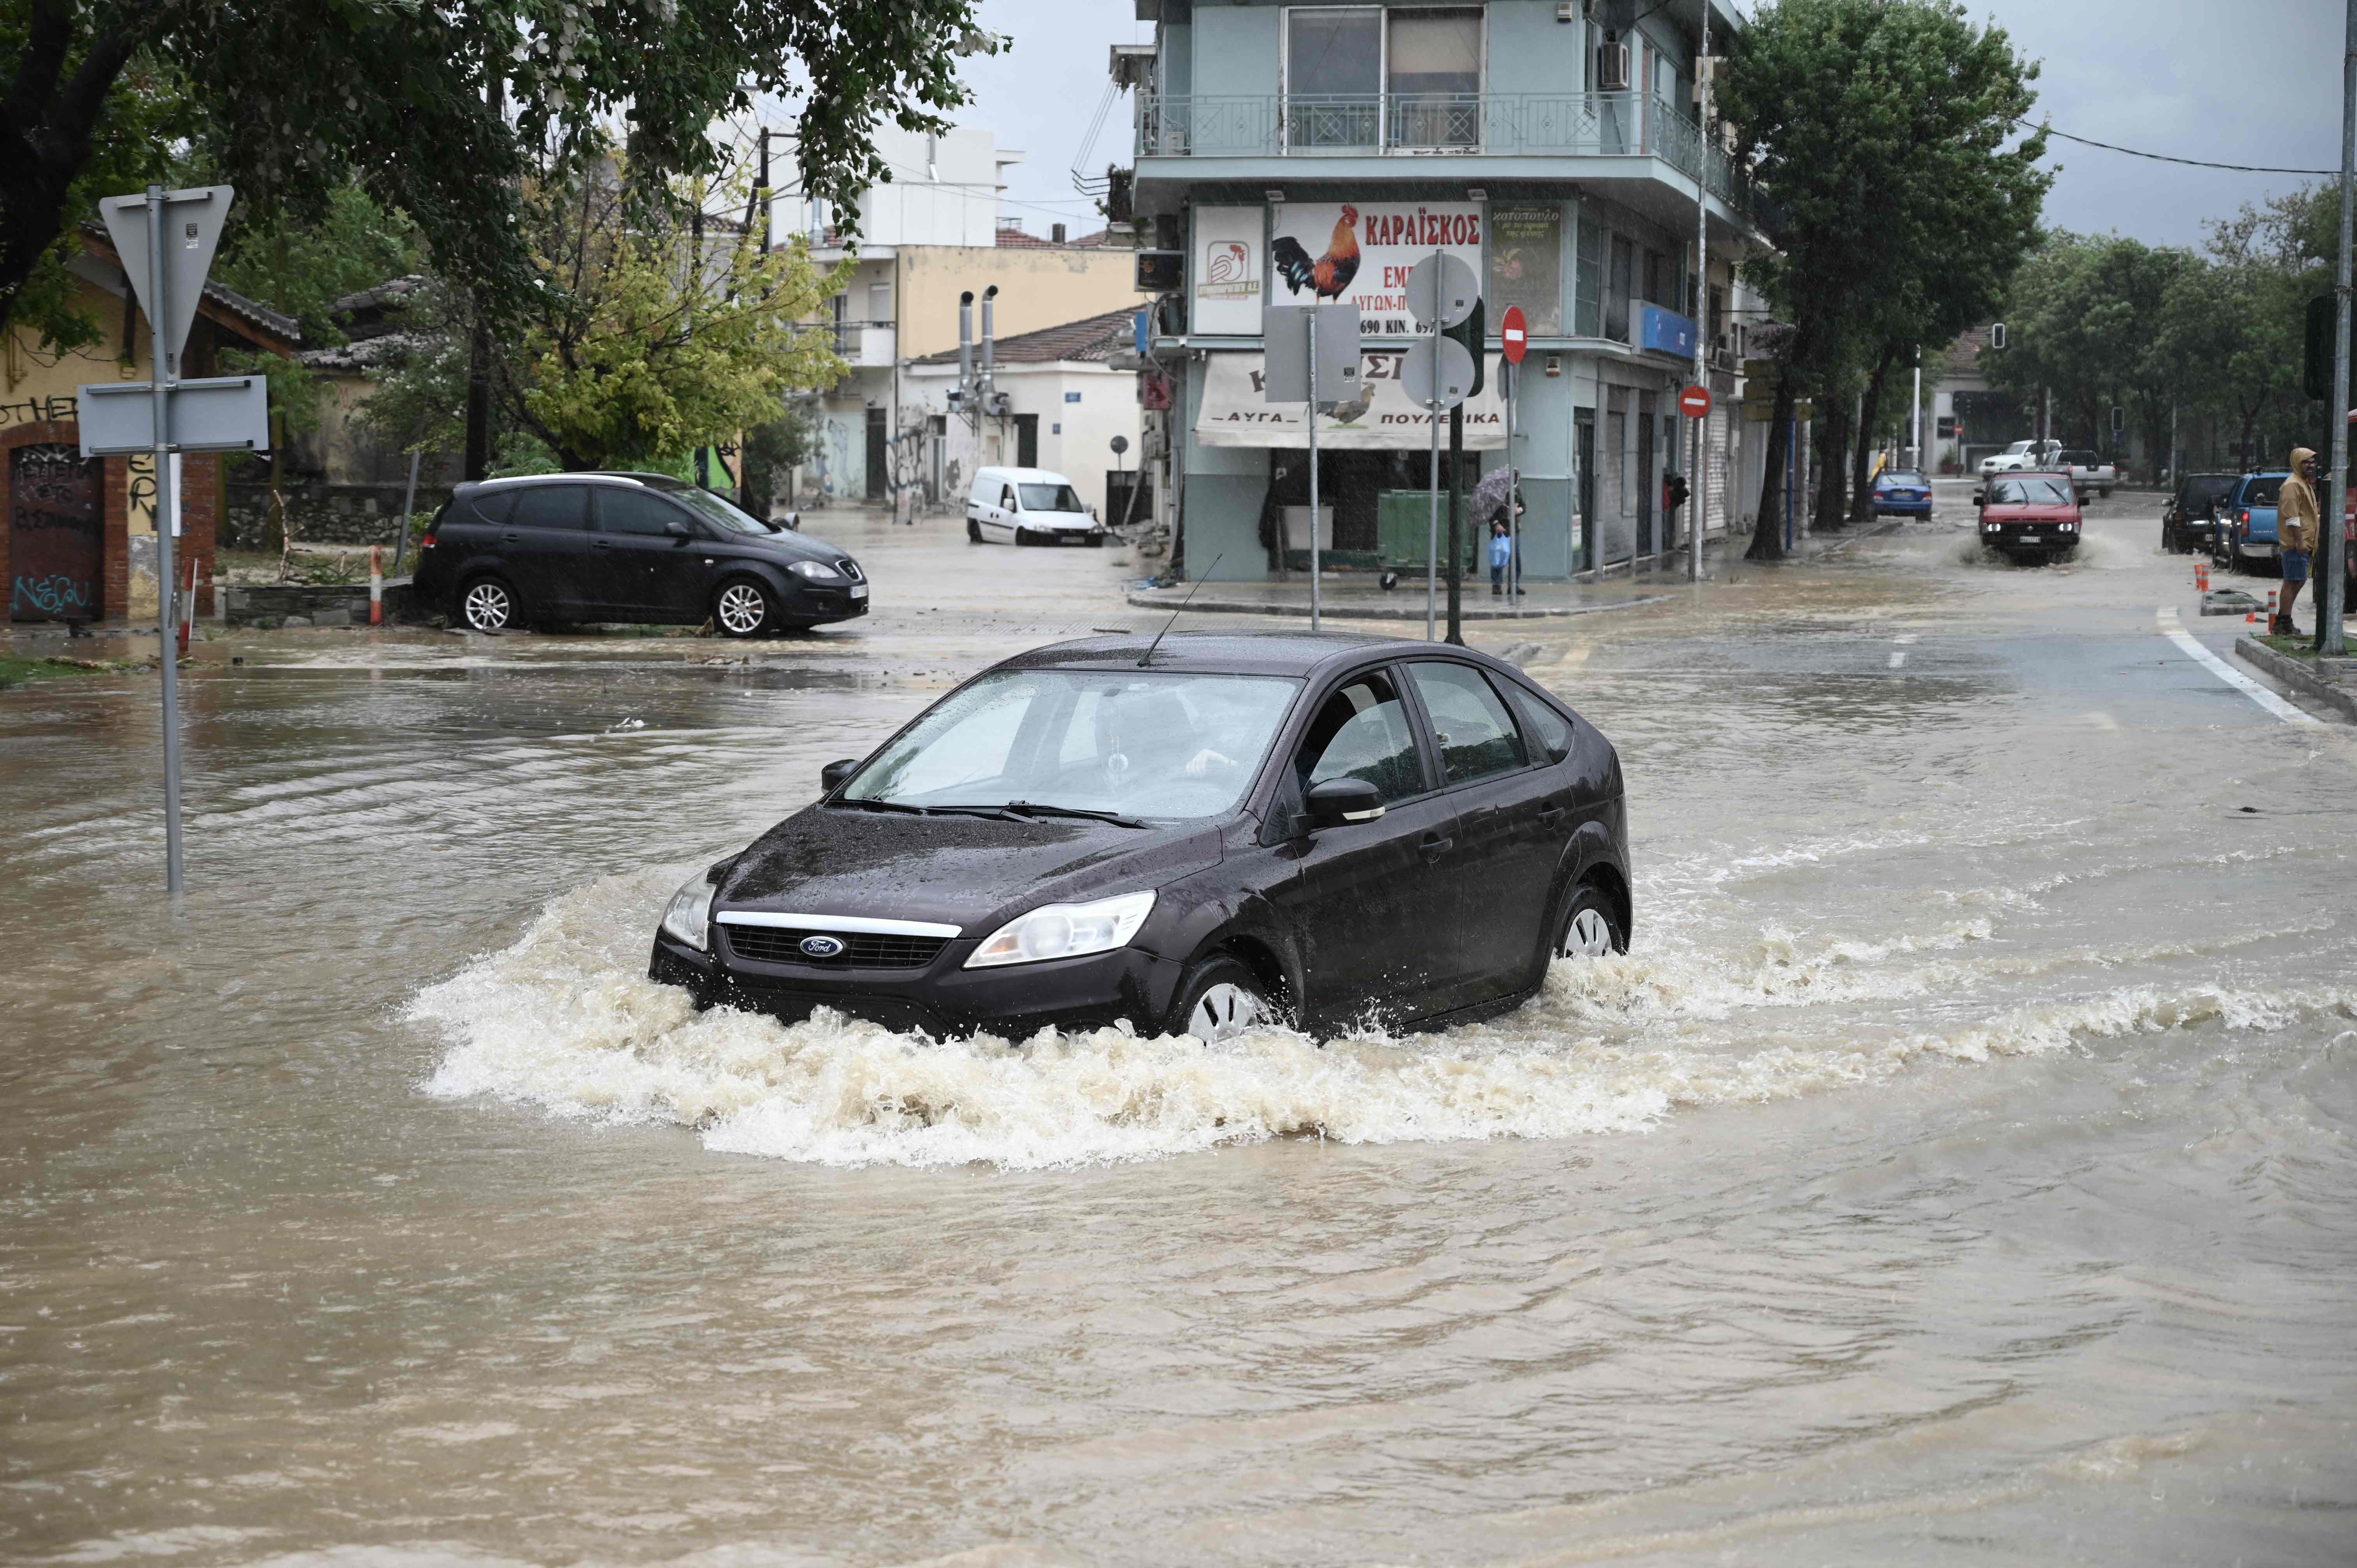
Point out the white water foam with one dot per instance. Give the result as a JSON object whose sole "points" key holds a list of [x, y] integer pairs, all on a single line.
{"points": [[566, 1020]]}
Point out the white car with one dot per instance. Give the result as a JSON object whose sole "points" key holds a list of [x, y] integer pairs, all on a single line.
{"points": [[1028, 506], [2022, 456]]}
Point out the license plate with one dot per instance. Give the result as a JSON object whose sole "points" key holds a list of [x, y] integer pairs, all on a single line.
{"points": [[2033, 539], [1074, 539], [858, 590]]}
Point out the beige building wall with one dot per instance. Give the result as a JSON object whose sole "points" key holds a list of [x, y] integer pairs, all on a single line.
{"points": [[1038, 288]]}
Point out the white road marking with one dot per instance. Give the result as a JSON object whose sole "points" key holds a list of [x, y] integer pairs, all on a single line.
{"points": [[2173, 629], [1898, 659], [1906, 637]]}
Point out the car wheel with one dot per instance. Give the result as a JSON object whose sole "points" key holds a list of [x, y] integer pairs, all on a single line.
{"points": [[2106, 494], [1096, 540], [1218, 1000], [487, 604], [741, 609], [973, 532], [1590, 929]]}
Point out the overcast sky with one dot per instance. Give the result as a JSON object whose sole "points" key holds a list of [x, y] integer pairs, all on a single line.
{"points": [[2253, 82]]}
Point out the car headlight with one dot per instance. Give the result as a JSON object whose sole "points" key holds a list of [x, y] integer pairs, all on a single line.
{"points": [[688, 917], [815, 572], [1065, 930]]}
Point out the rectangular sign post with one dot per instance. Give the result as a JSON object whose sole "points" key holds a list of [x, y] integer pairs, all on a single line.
{"points": [[1326, 375], [227, 413]]}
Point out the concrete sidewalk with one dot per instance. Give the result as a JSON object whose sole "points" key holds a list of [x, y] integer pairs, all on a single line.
{"points": [[1359, 597]]}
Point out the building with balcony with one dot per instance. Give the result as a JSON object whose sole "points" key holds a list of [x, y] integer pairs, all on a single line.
{"points": [[1293, 153], [930, 233]]}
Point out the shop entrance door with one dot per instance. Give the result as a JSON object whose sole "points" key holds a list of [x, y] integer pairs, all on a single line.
{"points": [[54, 539], [1583, 439], [1649, 478]]}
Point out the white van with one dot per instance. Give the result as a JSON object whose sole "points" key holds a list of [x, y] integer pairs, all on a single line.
{"points": [[1028, 506]]}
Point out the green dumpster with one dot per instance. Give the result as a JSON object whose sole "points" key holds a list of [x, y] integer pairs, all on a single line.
{"points": [[1402, 529]]}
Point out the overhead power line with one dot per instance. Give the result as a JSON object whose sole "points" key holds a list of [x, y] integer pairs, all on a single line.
{"points": [[2166, 158]]}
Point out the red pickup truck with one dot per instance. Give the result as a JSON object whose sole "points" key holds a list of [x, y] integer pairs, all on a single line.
{"points": [[2033, 517]]}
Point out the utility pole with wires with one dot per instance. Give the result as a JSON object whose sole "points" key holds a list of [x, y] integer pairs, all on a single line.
{"points": [[1698, 519], [2331, 604]]}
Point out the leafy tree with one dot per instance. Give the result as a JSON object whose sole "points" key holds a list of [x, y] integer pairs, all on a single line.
{"points": [[1877, 133], [303, 268], [2085, 324], [440, 110], [641, 339], [771, 452]]}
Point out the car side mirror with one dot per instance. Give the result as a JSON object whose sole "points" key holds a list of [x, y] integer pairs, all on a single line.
{"points": [[831, 777], [1980, 497], [677, 528], [1340, 801]]}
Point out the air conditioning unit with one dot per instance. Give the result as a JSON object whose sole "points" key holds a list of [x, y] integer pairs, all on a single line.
{"points": [[1612, 65]]}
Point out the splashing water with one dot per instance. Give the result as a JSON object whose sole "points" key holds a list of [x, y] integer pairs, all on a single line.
{"points": [[566, 1020]]}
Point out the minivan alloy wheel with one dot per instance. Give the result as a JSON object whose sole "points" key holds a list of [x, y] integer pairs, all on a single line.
{"points": [[488, 605], [742, 609]]}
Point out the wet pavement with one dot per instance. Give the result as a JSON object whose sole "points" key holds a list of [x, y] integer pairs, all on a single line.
{"points": [[1959, 1168]]}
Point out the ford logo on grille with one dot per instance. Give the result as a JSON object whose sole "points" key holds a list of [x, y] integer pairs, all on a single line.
{"points": [[821, 947]]}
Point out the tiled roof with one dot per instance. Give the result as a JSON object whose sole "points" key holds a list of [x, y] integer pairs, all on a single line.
{"points": [[1092, 338], [228, 301]]}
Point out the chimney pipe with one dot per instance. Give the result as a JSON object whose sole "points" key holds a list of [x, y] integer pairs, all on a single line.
{"points": [[989, 355], [1056, 232], [965, 343]]}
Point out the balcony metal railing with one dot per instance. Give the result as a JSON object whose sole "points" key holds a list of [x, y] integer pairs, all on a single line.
{"points": [[1594, 124]]}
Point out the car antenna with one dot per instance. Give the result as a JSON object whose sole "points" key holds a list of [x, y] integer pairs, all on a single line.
{"points": [[1174, 614]]}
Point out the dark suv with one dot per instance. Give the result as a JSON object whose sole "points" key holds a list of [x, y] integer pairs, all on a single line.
{"points": [[626, 547]]}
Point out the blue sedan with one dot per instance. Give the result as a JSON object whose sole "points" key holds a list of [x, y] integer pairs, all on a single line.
{"points": [[1902, 490]]}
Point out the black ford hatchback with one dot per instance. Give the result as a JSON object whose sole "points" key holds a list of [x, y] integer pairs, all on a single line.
{"points": [[626, 547], [1189, 838]]}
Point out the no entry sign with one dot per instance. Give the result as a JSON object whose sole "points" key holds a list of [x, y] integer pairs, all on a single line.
{"points": [[1514, 334], [1695, 402]]}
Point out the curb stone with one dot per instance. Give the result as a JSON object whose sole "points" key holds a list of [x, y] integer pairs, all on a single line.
{"points": [[2299, 676]]}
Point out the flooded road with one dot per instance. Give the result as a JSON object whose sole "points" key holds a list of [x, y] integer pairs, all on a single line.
{"points": [[1959, 1168]]}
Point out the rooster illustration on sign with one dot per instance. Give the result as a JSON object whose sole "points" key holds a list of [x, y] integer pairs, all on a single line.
{"points": [[1229, 262], [1330, 273]]}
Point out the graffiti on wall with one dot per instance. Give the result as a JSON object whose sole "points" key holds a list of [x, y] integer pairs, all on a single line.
{"points": [[35, 410], [53, 533]]}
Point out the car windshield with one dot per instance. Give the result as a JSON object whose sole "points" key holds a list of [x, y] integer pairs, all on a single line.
{"points": [[714, 510], [2035, 490], [2016, 448], [2208, 487], [1048, 497], [2262, 492], [1143, 744], [1901, 477]]}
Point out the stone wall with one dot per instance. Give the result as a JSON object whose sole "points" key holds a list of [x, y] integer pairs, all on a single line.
{"points": [[320, 513]]}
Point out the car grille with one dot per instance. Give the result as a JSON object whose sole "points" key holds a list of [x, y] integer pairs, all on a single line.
{"points": [[861, 950], [850, 569]]}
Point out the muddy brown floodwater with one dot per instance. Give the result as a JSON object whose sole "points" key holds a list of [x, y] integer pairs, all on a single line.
{"points": [[1959, 1169]]}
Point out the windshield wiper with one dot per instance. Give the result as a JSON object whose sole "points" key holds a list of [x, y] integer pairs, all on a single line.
{"points": [[886, 805], [1033, 808]]}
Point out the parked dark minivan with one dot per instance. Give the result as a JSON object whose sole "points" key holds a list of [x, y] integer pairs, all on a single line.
{"points": [[626, 547], [1222, 831]]}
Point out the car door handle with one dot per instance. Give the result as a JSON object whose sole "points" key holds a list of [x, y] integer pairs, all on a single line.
{"points": [[507, 539], [1551, 810], [601, 544], [1433, 846]]}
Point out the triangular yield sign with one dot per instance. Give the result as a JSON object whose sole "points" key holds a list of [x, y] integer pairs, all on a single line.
{"points": [[193, 220]]}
